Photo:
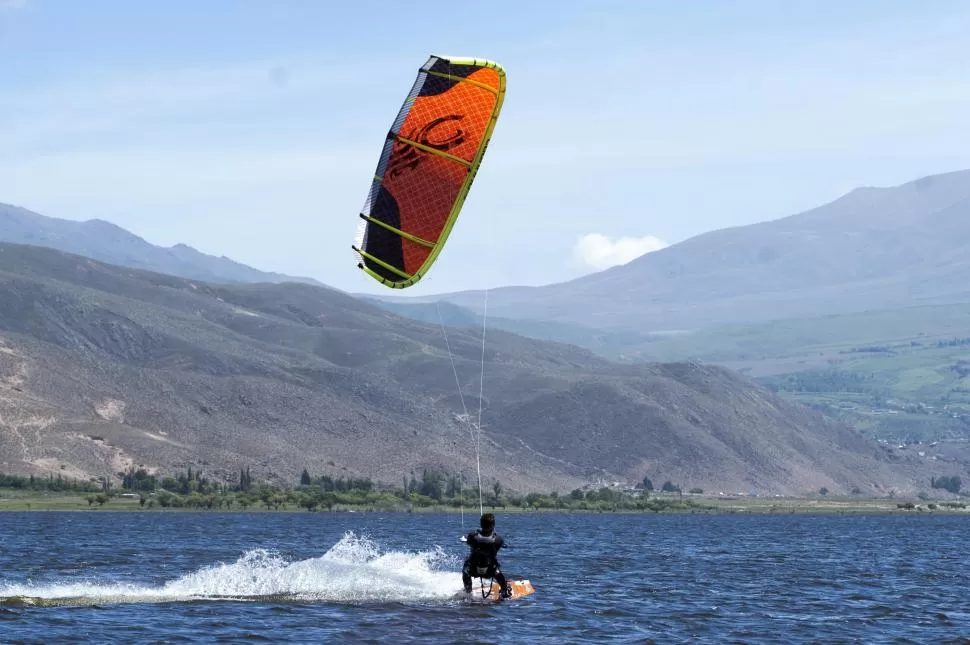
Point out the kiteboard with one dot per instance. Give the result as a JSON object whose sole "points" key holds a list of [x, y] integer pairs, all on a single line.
{"points": [[520, 589]]}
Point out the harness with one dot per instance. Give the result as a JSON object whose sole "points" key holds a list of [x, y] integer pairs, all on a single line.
{"points": [[482, 561], [485, 594], [482, 571]]}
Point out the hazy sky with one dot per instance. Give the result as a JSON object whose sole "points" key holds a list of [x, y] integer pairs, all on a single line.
{"points": [[252, 128]]}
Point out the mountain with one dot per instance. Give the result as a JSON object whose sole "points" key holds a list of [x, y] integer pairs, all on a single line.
{"points": [[446, 313], [103, 366], [112, 244], [874, 248]]}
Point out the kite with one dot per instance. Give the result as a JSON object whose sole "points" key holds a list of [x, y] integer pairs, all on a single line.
{"points": [[428, 163]]}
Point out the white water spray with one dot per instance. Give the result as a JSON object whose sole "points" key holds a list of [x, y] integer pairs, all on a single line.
{"points": [[354, 570]]}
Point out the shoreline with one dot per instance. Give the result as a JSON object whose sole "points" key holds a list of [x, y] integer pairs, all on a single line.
{"points": [[18, 501]]}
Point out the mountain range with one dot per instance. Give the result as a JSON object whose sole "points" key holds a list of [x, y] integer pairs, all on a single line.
{"points": [[103, 367], [109, 243], [873, 248], [119, 352]]}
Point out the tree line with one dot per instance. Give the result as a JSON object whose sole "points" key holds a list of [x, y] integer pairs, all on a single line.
{"points": [[817, 381], [952, 484], [50, 483], [953, 342], [431, 488]]}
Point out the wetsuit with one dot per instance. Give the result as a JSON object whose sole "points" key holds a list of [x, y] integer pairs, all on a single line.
{"points": [[482, 562]]}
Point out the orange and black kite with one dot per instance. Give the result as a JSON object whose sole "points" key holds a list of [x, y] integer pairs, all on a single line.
{"points": [[428, 163]]}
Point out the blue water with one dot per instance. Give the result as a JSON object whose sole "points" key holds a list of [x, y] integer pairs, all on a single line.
{"points": [[378, 578]]}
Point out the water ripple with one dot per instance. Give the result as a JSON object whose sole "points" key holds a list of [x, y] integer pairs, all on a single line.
{"points": [[375, 578]]}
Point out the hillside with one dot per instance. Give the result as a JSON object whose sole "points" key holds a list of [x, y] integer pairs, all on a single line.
{"points": [[112, 244], [900, 374], [103, 366], [874, 248], [446, 313]]}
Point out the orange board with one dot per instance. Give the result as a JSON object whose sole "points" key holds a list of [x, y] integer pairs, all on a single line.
{"points": [[520, 588]]}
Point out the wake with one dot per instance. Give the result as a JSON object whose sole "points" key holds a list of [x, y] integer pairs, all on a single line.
{"points": [[352, 571]]}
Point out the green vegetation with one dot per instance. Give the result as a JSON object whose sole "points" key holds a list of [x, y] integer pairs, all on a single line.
{"points": [[901, 375], [952, 484], [832, 505], [50, 483], [432, 491], [803, 337]]}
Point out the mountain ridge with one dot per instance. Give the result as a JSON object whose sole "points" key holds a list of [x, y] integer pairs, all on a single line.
{"points": [[873, 248], [102, 240], [102, 367]]}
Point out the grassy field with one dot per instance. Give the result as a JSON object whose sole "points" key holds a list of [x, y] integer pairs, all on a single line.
{"points": [[26, 500], [36, 500], [835, 505], [912, 392], [808, 336], [912, 366], [20, 500]]}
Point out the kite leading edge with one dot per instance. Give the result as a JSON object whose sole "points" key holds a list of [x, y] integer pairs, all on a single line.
{"points": [[428, 163]]}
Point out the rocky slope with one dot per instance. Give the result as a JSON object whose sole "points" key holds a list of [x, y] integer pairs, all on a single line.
{"points": [[103, 366]]}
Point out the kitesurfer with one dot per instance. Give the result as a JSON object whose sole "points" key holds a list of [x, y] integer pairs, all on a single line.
{"points": [[482, 562]]}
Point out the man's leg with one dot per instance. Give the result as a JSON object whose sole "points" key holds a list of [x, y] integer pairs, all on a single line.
{"points": [[502, 583], [466, 578]]}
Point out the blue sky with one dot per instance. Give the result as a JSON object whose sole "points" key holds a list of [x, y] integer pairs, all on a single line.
{"points": [[252, 129]]}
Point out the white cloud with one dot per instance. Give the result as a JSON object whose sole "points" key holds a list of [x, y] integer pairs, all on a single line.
{"points": [[600, 252], [265, 158], [13, 4]]}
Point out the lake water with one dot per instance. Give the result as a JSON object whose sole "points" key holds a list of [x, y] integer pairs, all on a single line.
{"points": [[379, 578]]}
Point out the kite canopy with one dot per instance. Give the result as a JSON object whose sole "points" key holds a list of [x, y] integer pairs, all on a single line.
{"points": [[428, 163]]}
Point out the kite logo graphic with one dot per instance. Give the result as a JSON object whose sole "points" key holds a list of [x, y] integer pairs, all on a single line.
{"points": [[407, 156]]}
